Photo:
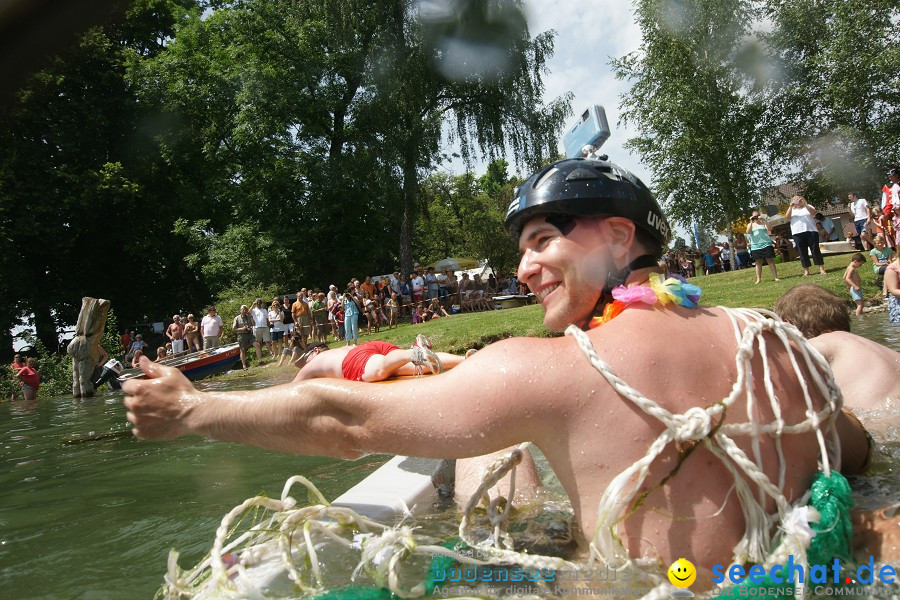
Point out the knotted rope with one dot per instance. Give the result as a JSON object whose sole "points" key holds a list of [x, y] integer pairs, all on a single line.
{"points": [[697, 424], [293, 533]]}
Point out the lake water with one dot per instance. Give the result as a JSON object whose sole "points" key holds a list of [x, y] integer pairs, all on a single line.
{"points": [[97, 519]]}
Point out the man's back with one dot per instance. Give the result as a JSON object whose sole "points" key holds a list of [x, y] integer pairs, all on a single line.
{"points": [[865, 370], [587, 456]]}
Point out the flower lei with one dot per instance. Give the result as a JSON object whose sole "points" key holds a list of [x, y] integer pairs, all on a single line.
{"points": [[675, 290]]}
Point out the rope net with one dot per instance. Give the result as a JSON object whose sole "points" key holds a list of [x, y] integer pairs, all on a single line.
{"points": [[286, 538]]}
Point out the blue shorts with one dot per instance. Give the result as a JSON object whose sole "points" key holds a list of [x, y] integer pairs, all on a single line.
{"points": [[856, 295], [277, 335]]}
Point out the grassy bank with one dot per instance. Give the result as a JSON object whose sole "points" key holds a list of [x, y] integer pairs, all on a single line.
{"points": [[474, 330], [737, 289]]}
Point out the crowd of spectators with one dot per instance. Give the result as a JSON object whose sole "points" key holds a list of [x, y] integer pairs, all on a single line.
{"points": [[284, 327]]}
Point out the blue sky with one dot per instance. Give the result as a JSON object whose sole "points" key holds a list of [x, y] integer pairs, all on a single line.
{"points": [[588, 34]]}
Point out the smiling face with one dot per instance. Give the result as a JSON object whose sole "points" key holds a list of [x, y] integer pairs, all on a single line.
{"points": [[567, 273], [682, 573]]}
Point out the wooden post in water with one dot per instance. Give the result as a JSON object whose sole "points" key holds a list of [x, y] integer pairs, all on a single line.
{"points": [[83, 349]]}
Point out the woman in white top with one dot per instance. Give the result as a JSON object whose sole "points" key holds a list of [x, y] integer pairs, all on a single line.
{"points": [[276, 323], [803, 229]]}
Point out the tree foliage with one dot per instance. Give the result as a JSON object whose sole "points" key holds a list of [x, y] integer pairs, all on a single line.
{"points": [[199, 147], [730, 96], [85, 207], [463, 216], [700, 127], [835, 90]]}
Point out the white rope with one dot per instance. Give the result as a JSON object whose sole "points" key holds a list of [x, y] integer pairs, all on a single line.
{"points": [[292, 533], [752, 485]]}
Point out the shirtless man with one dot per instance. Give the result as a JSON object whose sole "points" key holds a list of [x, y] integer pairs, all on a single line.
{"points": [[583, 227], [175, 333], [865, 371]]}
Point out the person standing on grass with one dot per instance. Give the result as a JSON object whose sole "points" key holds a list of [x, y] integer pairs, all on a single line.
{"points": [[261, 332], [243, 329], [761, 248], [301, 313], [192, 334], [319, 316], [287, 309], [806, 237], [853, 282], [881, 256], [276, 327], [351, 317], [741, 251], [210, 328], [859, 208], [175, 333]]}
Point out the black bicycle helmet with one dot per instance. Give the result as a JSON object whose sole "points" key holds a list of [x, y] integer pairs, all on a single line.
{"points": [[586, 187]]}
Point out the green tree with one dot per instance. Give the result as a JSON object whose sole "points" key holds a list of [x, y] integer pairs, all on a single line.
{"points": [[696, 108], [835, 92], [268, 96], [489, 105], [463, 216], [82, 201]]}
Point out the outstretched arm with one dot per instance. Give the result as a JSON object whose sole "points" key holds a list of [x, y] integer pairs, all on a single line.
{"points": [[491, 401]]}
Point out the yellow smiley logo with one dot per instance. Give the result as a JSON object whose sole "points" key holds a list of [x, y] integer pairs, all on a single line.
{"points": [[682, 573]]}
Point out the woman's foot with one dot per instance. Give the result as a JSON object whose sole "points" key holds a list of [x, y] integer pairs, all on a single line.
{"points": [[776, 279], [757, 282], [823, 272], [806, 273]]}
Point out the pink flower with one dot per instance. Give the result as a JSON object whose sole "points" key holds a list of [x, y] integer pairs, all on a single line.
{"points": [[637, 293]]}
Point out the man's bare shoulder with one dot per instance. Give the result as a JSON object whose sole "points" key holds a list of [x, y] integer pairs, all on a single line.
{"points": [[839, 344]]}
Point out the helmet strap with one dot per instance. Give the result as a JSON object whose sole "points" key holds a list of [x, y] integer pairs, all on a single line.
{"points": [[618, 278]]}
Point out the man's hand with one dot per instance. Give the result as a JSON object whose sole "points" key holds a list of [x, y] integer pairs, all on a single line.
{"points": [[159, 406]]}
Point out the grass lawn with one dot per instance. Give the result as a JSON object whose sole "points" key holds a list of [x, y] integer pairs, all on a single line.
{"points": [[736, 288], [460, 332]]}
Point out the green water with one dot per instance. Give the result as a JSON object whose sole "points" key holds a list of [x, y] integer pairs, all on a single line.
{"points": [[96, 520]]}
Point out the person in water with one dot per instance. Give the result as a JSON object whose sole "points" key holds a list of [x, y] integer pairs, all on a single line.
{"points": [[865, 370], [586, 230], [373, 361]]}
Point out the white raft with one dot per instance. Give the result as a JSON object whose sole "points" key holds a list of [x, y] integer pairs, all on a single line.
{"points": [[397, 487]]}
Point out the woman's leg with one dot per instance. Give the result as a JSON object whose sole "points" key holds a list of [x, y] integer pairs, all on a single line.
{"points": [[382, 366], [772, 268], [355, 324], [803, 248], [759, 264], [813, 241]]}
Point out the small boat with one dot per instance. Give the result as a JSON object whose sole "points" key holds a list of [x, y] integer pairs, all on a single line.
{"points": [[197, 365]]}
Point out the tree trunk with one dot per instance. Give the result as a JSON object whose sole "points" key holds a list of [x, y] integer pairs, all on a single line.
{"points": [[407, 218], [84, 348]]}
